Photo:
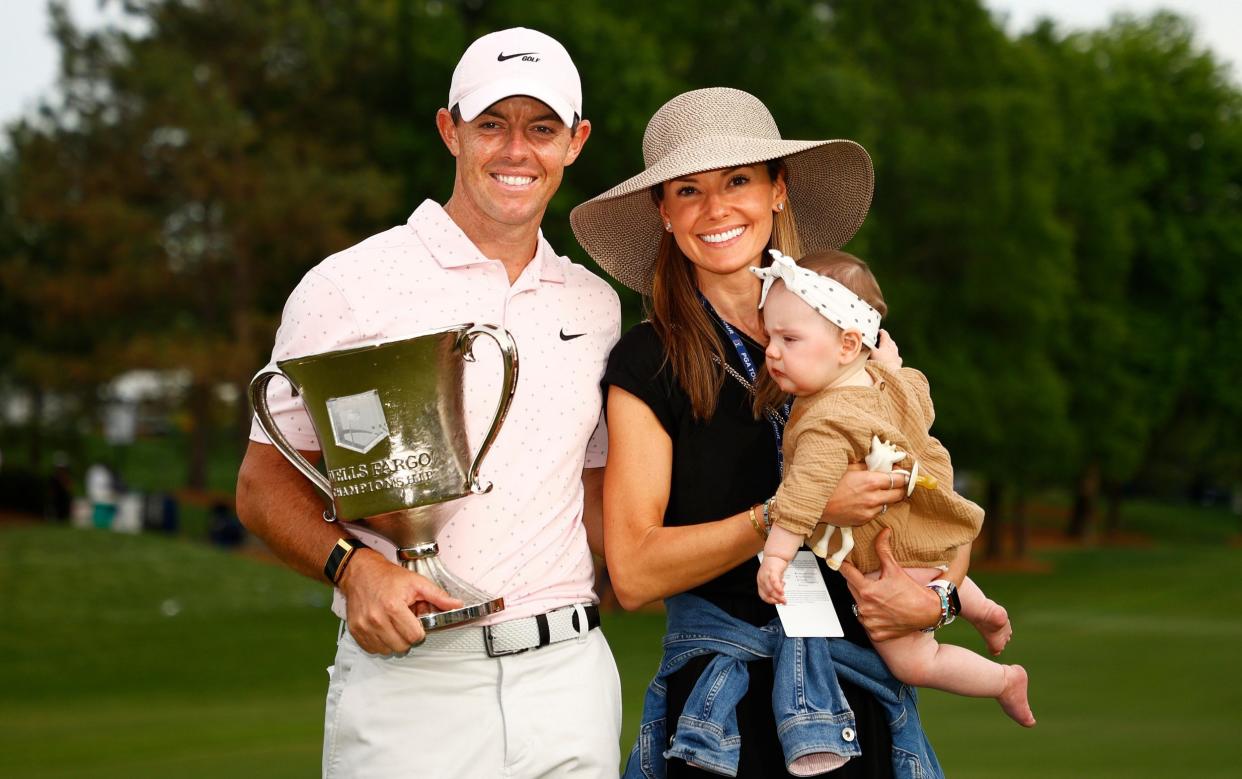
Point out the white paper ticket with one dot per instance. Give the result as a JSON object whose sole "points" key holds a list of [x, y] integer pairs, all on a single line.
{"points": [[808, 610]]}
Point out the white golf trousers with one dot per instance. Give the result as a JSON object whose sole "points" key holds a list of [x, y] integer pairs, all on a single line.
{"points": [[549, 712]]}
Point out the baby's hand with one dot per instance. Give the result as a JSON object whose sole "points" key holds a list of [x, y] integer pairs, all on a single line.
{"points": [[886, 353], [772, 579]]}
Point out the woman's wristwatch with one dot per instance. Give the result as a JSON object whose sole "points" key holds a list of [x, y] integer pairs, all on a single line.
{"points": [[950, 602]]}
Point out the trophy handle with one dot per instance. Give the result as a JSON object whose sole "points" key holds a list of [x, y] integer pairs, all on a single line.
{"points": [[508, 350], [258, 402]]}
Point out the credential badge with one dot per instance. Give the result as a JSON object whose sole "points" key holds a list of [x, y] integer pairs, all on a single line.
{"points": [[358, 422]]}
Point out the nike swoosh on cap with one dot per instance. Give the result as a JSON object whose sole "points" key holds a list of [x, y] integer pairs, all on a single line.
{"points": [[501, 57]]}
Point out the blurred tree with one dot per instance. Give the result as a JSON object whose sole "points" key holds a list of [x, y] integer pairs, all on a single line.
{"points": [[1149, 129], [1055, 219], [190, 176], [61, 235], [962, 231], [1193, 446]]}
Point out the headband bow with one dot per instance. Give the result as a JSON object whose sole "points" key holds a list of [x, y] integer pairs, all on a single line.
{"points": [[832, 299]]}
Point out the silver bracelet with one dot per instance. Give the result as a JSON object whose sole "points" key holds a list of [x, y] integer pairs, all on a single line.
{"points": [[767, 513]]}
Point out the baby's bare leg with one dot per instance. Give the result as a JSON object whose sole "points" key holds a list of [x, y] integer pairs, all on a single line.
{"points": [[919, 660], [988, 616]]}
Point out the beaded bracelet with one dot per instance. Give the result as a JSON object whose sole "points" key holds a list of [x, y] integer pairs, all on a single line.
{"points": [[767, 514]]}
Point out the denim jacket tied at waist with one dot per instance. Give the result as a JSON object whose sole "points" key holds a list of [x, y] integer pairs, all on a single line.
{"points": [[811, 712]]}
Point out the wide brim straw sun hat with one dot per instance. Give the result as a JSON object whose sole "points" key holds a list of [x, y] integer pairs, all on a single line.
{"points": [[830, 182]]}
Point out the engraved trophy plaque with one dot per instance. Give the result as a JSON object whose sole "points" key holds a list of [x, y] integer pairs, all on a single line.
{"points": [[391, 427]]}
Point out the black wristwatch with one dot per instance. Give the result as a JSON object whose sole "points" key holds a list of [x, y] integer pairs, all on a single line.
{"points": [[341, 554]]}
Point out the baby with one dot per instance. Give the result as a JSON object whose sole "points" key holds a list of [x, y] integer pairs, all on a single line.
{"points": [[823, 321]]}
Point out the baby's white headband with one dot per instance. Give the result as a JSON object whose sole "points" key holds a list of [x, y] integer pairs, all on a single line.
{"points": [[832, 299]]}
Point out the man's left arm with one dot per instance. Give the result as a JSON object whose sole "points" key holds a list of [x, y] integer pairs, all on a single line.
{"points": [[597, 451], [593, 508], [593, 488]]}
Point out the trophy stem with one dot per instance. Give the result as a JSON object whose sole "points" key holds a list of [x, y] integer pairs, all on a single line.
{"points": [[422, 559]]}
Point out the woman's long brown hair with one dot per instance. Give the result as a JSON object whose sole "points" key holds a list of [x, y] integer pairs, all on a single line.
{"points": [[690, 339], [854, 275]]}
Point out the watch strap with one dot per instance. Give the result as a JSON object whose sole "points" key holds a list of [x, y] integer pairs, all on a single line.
{"points": [[955, 601], [340, 556]]}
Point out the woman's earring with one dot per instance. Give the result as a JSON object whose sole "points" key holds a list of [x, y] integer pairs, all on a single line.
{"points": [[668, 226], [780, 206]]}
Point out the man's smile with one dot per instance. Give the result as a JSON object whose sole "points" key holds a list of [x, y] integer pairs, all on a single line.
{"points": [[513, 181]]}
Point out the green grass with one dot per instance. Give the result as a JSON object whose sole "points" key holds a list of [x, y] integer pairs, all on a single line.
{"points": [[1128, 651], [154, 657], [145, 656]]}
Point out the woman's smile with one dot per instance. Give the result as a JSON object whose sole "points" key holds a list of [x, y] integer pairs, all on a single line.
{"points": [[722, 238]]}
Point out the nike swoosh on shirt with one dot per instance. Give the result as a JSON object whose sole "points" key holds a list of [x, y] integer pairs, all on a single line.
{"points": [[570, 337], [501, 57]]}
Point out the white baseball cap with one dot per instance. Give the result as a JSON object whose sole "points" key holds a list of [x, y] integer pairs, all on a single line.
{"points": [[513, 62]]}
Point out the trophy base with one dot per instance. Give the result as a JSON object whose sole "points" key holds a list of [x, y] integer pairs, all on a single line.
{"points": [[477, 603]]}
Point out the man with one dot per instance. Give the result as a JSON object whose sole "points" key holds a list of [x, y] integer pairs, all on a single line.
{"points": [[535, 692]]}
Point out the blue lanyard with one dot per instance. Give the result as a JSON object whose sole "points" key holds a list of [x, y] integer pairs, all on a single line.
{"points": [[778, 428]]}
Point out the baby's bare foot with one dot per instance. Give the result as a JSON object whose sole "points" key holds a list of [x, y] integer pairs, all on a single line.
{"points": [[995, 628], [1013, 699]]}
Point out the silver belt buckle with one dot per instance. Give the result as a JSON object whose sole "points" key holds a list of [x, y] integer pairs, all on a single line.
{"points": [[491, 649]]}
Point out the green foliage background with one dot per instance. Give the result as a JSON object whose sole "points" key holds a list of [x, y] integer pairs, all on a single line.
{"points": [[1056, 220]]}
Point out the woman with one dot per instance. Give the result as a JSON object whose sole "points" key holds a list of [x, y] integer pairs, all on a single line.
{"points": [[689, 467]]}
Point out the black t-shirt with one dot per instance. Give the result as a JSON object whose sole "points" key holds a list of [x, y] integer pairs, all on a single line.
{"points": [[722, 467]]}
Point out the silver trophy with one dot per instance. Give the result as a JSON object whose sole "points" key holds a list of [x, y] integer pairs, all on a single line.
{"points": [[391, 427]]}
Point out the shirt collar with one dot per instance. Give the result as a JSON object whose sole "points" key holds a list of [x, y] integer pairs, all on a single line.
{"points": [[450, 247], [551, 266]]}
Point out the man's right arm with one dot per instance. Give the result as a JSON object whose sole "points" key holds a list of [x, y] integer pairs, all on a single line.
{"points": [[278, 504]]}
